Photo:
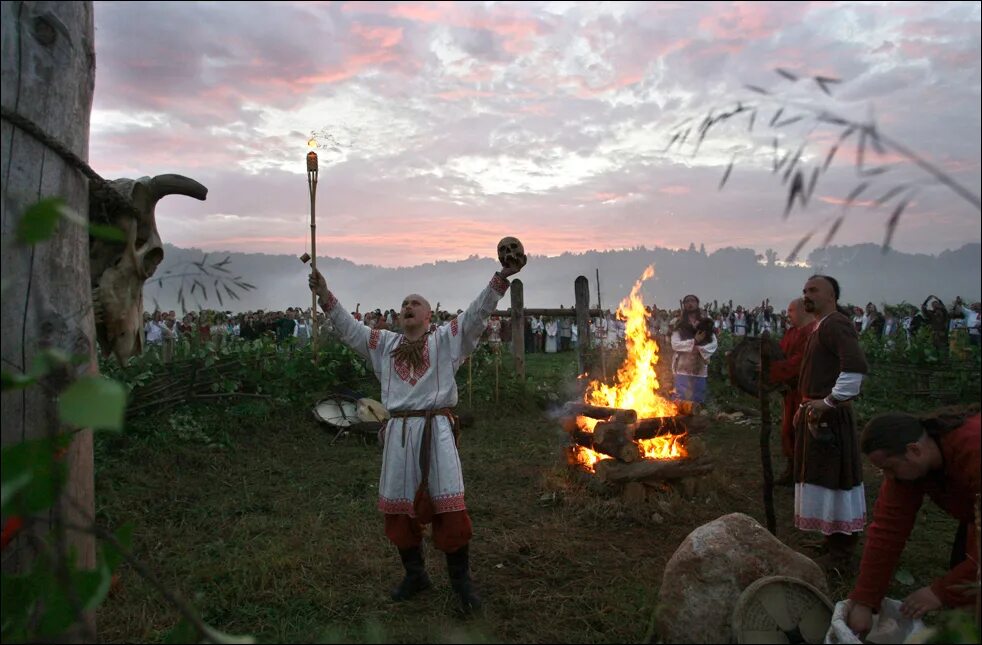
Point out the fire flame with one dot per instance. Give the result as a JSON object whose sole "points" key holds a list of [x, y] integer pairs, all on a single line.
{"points": [[636, 385]]}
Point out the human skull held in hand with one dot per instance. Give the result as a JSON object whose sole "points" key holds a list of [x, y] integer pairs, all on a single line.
{"points": [[511, 253]]}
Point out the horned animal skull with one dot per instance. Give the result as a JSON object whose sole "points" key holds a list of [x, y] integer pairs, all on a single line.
{"points": [[511, 253], [119, 269]]}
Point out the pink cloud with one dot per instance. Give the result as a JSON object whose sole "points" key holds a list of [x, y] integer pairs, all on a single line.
{"points": [[848, 151], [350, 67], [538, 109], [480, 74], [624, 80], [960, 165], [384, 37], [513, 24], [840, 201], [415, 246], [741, 20], [936, 52], [458, 95], [675, 190]]}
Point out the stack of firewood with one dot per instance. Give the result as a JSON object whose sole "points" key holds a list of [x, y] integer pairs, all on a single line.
{"points": [[616, 435]]}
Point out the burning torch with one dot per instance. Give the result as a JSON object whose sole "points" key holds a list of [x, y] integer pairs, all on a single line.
{"points": [[312, 256]]}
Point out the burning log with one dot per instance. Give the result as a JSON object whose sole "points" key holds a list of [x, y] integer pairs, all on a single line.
{"points": [[620, 415], [613, 442], [614, 439], [645, 428], [581, 437], [600, 413], [617, 439], [613, 471]]}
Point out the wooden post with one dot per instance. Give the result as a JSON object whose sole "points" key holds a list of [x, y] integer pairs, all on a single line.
{"points": [[581, 290], [470, 382], [603, 342], [765, 431], [518, 326], [48, 77]]}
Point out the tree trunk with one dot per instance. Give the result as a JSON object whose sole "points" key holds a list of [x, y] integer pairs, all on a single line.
{"points": [[48, 77]]}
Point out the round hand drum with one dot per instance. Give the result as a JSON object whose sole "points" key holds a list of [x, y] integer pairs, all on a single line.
{"points": [[744, 364], [337, 411]]}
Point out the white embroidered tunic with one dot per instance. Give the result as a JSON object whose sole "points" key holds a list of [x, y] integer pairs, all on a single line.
{"points": [[432, 387]]}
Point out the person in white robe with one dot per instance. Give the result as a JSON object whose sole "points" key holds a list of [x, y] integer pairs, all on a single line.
{"points": [[552, 336], [421, 478]]}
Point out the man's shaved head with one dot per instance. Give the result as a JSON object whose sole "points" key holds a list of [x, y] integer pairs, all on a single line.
{"points": [[417, 297], [415, 314]]}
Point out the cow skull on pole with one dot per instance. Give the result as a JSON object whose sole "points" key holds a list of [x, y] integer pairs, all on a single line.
{"points": [[119, 269]]}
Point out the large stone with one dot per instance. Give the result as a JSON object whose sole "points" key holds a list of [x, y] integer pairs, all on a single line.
{"points": [[711, 568]]}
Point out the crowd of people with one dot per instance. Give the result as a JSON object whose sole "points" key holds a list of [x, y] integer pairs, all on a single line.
{"points": [[545, 334], [164, 331]]}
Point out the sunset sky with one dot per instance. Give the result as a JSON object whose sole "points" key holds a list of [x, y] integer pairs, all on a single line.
{"points": [[460, 123]]}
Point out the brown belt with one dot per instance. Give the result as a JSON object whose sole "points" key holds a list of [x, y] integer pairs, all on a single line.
{"points": [[422, 503]]}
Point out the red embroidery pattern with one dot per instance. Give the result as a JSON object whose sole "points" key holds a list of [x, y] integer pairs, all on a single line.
{"points": [[442, 504], [396, 506], [328, 305], [373, 338], [454, 327], [406, 373], [449, 503], [499, 284], [827, 527]]}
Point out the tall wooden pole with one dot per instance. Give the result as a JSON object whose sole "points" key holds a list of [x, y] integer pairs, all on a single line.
{"points": [[312, 187], [581, 292], [518, 326], [48, 78], [763, 394], [603, 357]]}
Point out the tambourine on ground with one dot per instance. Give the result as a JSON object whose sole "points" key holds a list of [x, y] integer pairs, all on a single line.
{"points": [[344, 414], [744, 364]]}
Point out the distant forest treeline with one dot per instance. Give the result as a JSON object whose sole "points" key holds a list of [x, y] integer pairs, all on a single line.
{"points": [[740, 274]]}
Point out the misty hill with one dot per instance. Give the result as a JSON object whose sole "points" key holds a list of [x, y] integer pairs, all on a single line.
{"points": [[739, 274]]}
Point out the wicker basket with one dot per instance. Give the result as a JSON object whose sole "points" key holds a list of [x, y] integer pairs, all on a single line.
{"points": [[780, 609]]}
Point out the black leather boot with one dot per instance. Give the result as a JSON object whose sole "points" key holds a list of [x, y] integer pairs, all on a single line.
{"points": [[841, 554], [458, 567], [416, 579]]}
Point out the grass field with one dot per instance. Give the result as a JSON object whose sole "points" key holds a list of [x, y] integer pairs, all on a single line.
{"points": [[269, 530]]}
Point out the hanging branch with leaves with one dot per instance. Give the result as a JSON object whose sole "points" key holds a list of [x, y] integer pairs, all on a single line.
{"points": [[195, 274], [801, 182]]}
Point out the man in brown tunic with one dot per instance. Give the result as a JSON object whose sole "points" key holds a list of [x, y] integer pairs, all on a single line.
{"points": [[829, 495]]}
